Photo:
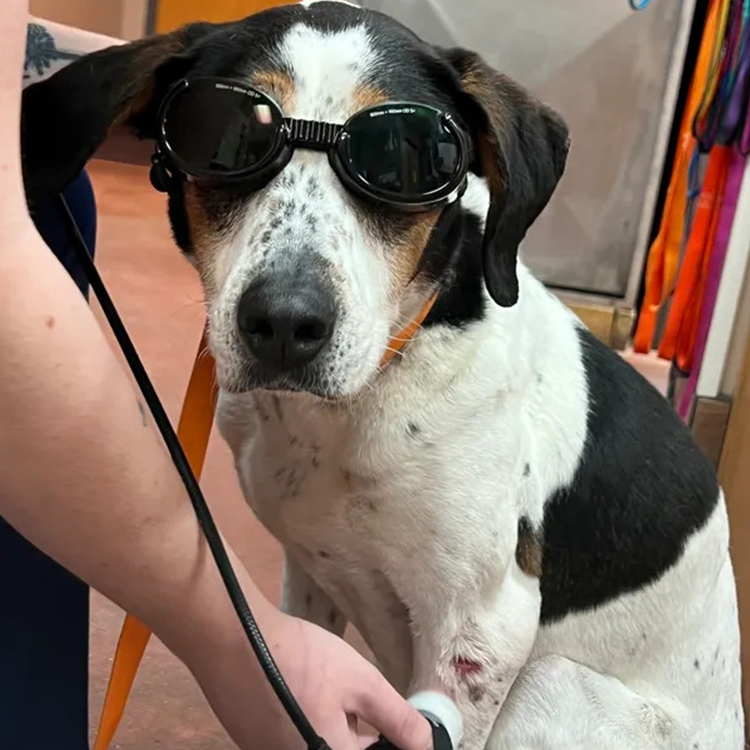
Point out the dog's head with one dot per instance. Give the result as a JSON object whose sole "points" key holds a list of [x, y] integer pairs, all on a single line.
{"points": [[304, 281]]}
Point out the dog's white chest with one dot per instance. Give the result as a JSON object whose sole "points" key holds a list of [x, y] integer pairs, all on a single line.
{"points": [[363, 490], [372, 508]]}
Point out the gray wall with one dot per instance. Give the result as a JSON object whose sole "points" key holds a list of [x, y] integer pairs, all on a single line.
{"points": [[605, 68]]}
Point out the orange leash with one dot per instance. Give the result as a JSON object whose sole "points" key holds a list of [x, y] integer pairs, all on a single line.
{"points": [[703, 220], [680, 329], [194, 431], [664, 255]]}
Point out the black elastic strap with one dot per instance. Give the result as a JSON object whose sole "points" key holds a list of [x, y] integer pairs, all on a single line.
{"points": [[312, 134]]}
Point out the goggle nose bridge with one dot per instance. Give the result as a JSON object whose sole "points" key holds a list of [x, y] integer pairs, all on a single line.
{"points": [[312, 134]]}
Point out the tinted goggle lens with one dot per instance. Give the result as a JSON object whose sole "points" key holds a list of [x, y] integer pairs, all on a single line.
{"points": [[408, 152], [216, 129], [400, 153]]}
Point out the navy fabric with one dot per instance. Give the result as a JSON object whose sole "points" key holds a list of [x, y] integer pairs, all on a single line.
{"points": [[44, 610]]}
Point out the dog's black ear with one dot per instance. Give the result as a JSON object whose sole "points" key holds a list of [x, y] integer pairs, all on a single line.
{"points": [[521, 149], [66, 117]]}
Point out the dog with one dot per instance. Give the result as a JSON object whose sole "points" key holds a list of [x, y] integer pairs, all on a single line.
{"points": [[505, 510]]}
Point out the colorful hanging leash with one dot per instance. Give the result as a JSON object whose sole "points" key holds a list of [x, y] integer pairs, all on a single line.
{"points": [[722, 107], [737, 122], [717, 60], [675, 340], [688, 273], [713, 277], [716, 134], [681, 334], [664, 254]]}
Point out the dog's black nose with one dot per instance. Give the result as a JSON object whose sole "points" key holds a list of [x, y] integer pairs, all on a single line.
{"points": [[287, 319]]}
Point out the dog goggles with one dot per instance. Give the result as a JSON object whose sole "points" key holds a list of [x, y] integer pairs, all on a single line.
{"points": [[411, 157]]}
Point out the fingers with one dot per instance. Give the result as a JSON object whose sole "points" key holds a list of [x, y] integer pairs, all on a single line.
{"points": [[367, 741], [353, 723], [397, 720], [343, 736], [367, 736]]}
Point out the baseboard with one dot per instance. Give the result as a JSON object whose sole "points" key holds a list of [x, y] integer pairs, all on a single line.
{"points": [[611, 325], [708, 425]]}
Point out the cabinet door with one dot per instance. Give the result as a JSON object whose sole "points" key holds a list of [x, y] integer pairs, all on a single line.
{"points": [[171, 14]]}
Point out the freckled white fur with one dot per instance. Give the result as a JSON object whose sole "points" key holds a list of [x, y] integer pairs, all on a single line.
{"points": [[413, 541], [359, 268]]}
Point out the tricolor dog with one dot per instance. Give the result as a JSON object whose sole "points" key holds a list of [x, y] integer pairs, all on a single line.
{"points": [[502, 507]]}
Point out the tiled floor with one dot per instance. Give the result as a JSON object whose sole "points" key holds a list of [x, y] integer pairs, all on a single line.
{"points": [[159, 298]]}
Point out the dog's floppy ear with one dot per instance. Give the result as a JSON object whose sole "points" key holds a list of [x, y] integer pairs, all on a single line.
{"points": [[66, 117], [521, 149]]}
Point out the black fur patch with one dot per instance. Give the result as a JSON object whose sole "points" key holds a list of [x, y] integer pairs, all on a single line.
{"points": [[642, 489], [454, 257], [179, 220]]}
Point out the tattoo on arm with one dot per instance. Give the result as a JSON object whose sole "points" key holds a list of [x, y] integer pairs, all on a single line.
{"points": [[144, 416], [42, 52]]}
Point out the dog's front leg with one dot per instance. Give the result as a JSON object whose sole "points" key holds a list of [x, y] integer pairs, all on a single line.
{"points": [[557, 703], [474, 646], [302, 597]]}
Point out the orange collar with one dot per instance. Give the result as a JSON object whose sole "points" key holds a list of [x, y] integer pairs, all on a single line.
{"points": [[402, 338]]}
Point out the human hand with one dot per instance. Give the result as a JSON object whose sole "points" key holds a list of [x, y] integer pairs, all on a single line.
{"points": [[336, 687]]}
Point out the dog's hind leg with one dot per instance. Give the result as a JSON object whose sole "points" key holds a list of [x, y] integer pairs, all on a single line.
{"points": [[472, 649], [302, 597], [557, 703]]}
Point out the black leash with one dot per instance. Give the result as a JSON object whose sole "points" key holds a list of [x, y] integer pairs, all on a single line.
{"points": [[202, 511]]}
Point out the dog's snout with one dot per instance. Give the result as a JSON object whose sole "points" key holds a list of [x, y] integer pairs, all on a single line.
{"points": [[286, 320]]}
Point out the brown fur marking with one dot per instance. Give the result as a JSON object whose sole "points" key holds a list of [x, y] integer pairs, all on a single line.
{"points": [[368, 96], [476, 693], [147, 55], [529, 554], [490, 89], [408, 249], [279, 86], [202, 234]]}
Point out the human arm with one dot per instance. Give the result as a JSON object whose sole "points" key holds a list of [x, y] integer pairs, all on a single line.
{"points": [[51, 46], [83, 478]]}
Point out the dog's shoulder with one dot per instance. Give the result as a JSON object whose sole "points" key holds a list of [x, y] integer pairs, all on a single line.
{"points": [[641, 490]]}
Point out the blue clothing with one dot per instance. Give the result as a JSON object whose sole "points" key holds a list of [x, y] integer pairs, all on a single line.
{"points": [[44, 609]]}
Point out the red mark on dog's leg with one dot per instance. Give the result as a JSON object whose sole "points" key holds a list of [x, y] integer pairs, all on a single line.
{"points": [[465, 667]]}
